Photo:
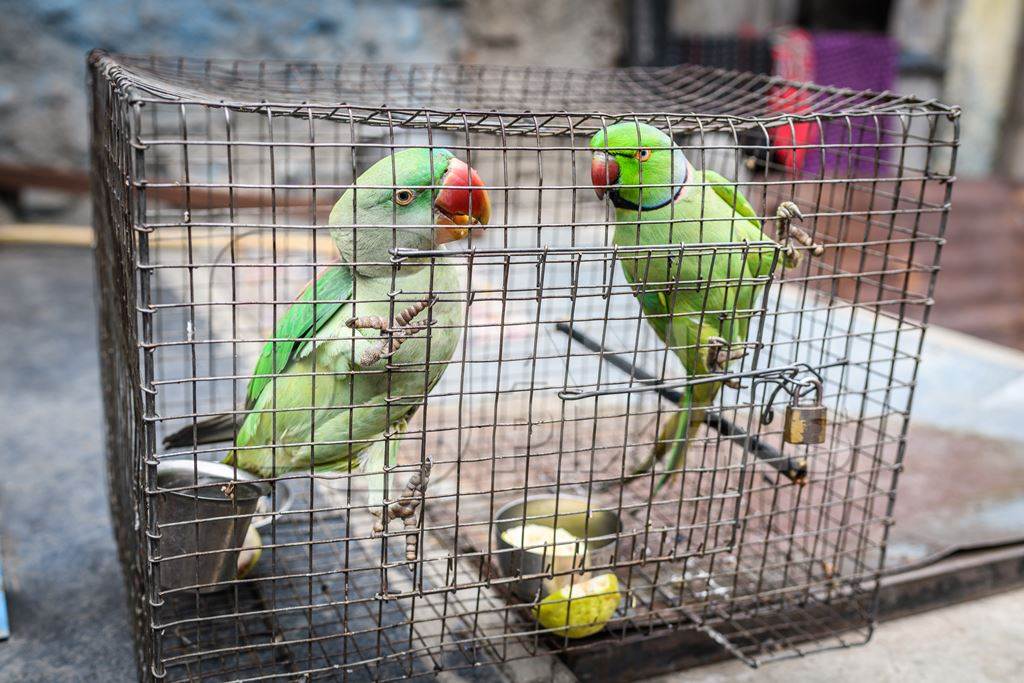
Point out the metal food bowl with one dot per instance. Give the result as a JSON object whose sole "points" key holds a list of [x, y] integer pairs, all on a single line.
{"points": [[597, 530], [218, 517]]}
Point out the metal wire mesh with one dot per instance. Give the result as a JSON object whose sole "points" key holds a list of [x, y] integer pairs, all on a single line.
{"points": [[213, 181]]}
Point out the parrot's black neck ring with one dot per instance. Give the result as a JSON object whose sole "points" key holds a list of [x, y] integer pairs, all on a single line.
{"points": [[620, 202]]}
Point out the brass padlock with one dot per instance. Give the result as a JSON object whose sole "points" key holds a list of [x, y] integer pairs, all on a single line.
{"points": [[805, 424]]}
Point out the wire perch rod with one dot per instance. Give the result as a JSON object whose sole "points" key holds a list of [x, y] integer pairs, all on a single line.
{"points": [[794, 469]]}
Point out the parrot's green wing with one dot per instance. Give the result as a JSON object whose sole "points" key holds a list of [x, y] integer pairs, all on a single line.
{"points": [[730, 194], [759, 260], [319, 301], [655, 306]]}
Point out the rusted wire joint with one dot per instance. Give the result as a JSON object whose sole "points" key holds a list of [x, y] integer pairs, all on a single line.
{"points": [[393, 338]]}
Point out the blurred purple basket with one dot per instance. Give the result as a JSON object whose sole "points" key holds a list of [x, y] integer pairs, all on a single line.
{"points": [[859, 61]]}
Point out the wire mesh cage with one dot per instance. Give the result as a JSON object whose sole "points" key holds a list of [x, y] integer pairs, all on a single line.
{"points": [[708, 403]]}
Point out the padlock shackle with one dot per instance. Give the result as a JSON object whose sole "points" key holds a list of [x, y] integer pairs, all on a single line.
{"points": [[814, 385], [792, 386]]}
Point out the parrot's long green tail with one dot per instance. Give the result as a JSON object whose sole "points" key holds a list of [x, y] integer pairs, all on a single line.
{"points": [[681, 428]]}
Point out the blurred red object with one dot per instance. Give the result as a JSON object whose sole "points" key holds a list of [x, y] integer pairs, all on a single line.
{"points": [[793, 57]]}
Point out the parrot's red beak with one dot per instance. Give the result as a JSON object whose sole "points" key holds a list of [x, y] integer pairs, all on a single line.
{"points": [[462, 204], [604, 173]]}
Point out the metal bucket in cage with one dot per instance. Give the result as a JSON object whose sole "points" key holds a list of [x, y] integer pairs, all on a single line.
{"points": [[203, 527], [596, 529]]}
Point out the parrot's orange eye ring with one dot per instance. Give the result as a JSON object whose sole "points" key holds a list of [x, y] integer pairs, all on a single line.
{"points": [[404, 197], [643, 154]]}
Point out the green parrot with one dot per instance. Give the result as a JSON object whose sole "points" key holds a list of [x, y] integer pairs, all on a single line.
{"points": [[321, 391], [698, 305]]}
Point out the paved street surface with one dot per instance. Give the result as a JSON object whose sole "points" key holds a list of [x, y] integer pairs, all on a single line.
{"points": [[974, 642], [65, 592]]}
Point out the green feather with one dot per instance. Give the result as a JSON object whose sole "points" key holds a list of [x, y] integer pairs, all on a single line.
{"points": [[319, 301], [759, 260], [319, 408], [712, 303], [731, 195]]}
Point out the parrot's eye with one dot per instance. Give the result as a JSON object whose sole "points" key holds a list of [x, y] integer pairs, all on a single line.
{"points": [[643, 154], [404, 197]]}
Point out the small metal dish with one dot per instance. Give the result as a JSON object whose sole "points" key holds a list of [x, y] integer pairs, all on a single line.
{"points": [[269, 505], [597, 530], [205, 525]]}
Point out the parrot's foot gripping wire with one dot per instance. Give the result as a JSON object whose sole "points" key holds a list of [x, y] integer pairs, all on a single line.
{"points": [[405, 509], [393, 338], [720, 353], [787, 232]]}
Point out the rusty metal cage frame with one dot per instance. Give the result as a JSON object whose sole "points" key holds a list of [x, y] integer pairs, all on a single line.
{"points": [[211, 179]]}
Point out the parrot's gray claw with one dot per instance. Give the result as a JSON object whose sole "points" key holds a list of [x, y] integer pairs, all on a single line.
{"points": [[405, 509], [392, 338], [788, 211], [720, 352], [787, 232]]}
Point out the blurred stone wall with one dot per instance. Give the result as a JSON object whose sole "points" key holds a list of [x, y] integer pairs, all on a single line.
{"points": [[715, 17], [982, 78], [43, 45], [581, 33]]}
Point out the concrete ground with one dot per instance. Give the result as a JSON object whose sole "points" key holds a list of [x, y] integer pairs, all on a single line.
{"points": [[976, 642], [65, 590]]}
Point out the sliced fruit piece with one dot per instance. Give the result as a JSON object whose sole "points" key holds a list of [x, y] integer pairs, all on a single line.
{"points": [[543, 540], [252, 548], [581, 610]]}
